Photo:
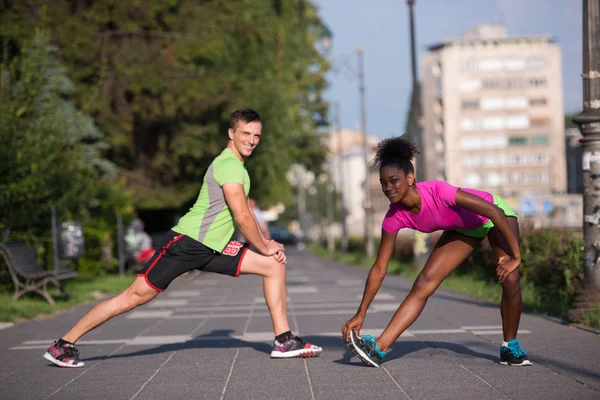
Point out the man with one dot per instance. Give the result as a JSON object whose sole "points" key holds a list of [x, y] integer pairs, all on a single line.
{"points": [[201, 240]]}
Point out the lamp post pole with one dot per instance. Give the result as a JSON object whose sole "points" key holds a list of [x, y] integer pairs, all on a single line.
{"points": [[589, 125], [369, 248], [340, 159]]}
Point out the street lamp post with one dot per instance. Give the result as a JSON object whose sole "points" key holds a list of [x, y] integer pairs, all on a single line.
{"points": [[589, 125], [369, 247], [341, 174]]}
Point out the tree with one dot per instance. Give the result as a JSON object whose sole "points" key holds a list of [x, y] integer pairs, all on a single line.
{"points": [[51, 153], [161, 77]]}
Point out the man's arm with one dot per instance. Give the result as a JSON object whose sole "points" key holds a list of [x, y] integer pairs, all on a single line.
{"points": [[261, 230], [246, 221]]}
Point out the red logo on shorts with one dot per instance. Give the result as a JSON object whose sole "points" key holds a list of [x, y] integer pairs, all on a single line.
{"points": [[233, 248]]}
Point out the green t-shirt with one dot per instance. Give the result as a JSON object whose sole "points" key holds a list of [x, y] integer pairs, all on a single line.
{"points": [[210, 221]]}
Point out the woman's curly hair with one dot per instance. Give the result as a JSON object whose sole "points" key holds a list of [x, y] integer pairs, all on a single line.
{"points": [[397, 152]]}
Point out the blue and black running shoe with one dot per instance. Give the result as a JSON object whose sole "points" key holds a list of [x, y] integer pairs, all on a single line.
{"points": [[367, 349], [514, 355]]}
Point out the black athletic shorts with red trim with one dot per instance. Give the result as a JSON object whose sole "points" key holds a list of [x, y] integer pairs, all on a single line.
{"points": [[178, 254]]}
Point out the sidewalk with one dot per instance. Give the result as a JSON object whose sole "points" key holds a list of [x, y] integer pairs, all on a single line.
{"points": [[209, 337]]}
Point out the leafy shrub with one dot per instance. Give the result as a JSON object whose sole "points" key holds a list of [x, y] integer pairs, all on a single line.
{"points": [[552, 265]]}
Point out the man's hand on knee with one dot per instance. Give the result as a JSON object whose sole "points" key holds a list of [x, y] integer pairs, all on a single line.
{"points": [[280, 257]]}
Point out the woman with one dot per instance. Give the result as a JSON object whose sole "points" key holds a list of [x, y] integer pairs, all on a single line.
{"points": [[466, 216]]}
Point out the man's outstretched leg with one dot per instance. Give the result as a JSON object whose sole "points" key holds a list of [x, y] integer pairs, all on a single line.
{"points": [[285, 345], [64, 354]]}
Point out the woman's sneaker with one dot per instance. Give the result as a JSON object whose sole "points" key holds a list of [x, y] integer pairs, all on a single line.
{"points": [[367, 349], [65, 355], [514, 355], [292, 347]]}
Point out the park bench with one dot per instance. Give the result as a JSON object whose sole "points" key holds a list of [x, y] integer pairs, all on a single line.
{"points": [[28, 276]]}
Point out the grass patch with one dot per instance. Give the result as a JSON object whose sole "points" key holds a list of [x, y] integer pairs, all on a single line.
{"points": [[467, 283], [591, 318], [80, 289]]}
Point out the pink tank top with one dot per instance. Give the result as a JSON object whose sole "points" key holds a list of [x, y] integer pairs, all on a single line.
{"points": [[438, 210]]}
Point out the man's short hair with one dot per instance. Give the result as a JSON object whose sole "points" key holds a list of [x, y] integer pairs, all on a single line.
{"points": [[245, 114]]}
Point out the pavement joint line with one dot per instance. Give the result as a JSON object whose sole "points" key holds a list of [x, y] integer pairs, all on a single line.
{"points": [[397, 384], [293, 312], [481, 379], [237, 352], [219, 302], [153, 375], [230, 373]]}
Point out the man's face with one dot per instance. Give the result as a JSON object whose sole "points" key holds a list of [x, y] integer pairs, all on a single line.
{"points": [[245, 137]]}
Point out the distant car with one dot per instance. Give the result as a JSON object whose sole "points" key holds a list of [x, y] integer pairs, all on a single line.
{"points": [[283, 236]]}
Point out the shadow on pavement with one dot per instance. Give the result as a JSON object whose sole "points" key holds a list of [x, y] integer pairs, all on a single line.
{"points": [[223, 339], [403, 348]]}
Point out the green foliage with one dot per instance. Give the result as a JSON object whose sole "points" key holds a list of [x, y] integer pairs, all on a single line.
{"points": [[161, 78], [52, 156], [552, 263], [591, 318]]}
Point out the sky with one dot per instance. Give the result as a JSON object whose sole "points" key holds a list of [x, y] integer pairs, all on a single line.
{"points": [[382, 28]]}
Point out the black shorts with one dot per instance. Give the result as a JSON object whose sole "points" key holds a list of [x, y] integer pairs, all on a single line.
{"points": [[178, 254]]}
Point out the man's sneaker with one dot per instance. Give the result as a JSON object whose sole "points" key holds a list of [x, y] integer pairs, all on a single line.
{"points": [[293, 346], [514, 354], [66, 356], [367, 349]]}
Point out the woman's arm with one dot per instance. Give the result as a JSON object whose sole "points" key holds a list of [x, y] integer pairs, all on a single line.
{"points": [[378, 270], [376, 276], [478, 205]]}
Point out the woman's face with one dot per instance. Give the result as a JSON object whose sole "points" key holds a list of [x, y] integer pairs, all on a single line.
{"points": [[394, 183]]}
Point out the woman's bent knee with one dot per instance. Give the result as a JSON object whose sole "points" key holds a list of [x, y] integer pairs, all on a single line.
{"points": [[424, 286]]}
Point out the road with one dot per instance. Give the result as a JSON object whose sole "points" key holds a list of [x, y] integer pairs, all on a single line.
{"points": [[209, 337]]}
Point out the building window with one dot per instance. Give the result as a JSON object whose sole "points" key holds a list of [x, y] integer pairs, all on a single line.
{"points": [[492, 103], [540, 121], [514, 84], [470, 104], [471, 161], [472, 180], [537, 82], [538, 101], [517, 122], [515, 103], [490, 65], [471, 143], [469, 86], [492, 84], [542, 159], [539, 140], [469, 65], [493, 123], [495, 142], [517, 140], [514, 64], [494, 160], [536, 63], [494, 179]]}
